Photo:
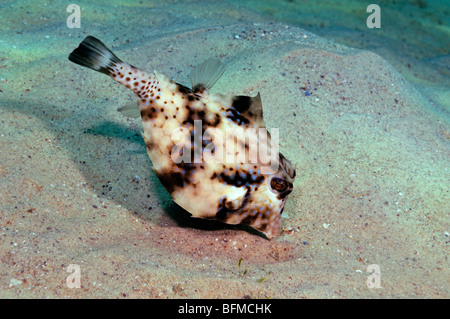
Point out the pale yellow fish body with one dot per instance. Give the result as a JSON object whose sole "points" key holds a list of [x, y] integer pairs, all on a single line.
{"points": [[187, 137]]}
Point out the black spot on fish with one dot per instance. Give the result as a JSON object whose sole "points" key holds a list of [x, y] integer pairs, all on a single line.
{"points": [[183, 89], [225, 210], [172, 180], [223, 213], [241, 103], [240, 179], [199, 88], [148, 113], [250, 219], [215, 122], [236, 117], [263, 227]]}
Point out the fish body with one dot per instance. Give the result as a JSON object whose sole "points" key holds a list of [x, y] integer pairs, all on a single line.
{"points": [[209, 172]]}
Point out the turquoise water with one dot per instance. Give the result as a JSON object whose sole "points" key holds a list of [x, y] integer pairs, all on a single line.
{"points": [[414, 35]]}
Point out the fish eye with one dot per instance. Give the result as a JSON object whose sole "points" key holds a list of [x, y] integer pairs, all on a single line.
{"points": [[278, 184]]}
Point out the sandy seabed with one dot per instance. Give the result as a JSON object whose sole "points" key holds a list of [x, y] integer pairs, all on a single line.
{"points": [[76, 185]]}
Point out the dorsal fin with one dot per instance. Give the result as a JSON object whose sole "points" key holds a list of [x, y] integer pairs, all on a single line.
{"points": [[250, 107], [205, 75]]}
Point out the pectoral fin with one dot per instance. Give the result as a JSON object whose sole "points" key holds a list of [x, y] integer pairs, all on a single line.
{"points": [[130, 110]]}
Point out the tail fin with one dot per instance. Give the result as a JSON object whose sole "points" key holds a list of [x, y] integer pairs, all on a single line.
{"points": [[93, 54]]}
